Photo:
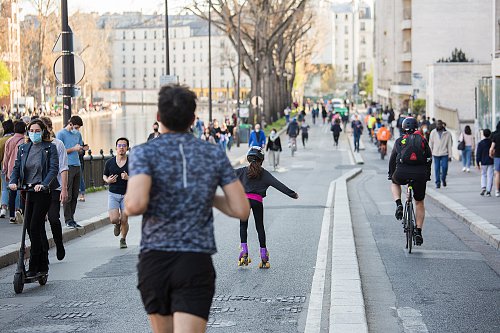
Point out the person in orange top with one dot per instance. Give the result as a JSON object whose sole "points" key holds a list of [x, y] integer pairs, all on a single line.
{"points": [[383, 135]]}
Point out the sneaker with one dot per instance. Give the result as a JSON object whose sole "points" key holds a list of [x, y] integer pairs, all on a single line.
{"points": [[463, 169], [438, 185], [123, 243], [444, 183], [3, 212], [77, 225], [12, 220], [483, 191], [60, 251], [81, 198], [497, 194], [468, 170], [19, 217], [399, 212], [488, 194], [419, 240], [117, 229], [71, 224]]}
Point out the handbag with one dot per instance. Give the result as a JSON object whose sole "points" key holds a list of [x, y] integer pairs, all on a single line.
{"points": [[461, 143]]}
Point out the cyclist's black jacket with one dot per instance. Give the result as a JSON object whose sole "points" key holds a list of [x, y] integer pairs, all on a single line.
{"points": [[416, 172], [260, 186]]}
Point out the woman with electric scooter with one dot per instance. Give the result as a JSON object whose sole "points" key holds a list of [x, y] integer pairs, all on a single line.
{"points": [[35, 174]]}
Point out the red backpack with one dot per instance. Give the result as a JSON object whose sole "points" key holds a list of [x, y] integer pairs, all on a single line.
{"points": [[412, 149]]}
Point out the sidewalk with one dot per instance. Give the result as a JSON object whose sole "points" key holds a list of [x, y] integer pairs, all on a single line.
{"points": [[91, 215]]}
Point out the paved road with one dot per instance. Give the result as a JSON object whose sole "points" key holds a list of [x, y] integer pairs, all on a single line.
{"points": [[450, 284], [93, 289]]}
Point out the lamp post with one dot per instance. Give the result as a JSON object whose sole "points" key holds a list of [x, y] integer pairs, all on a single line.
{"points": [[210, 60], [239, 59], [167, 51]]}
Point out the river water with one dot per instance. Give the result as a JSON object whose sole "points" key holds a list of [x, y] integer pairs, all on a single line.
{"points": [[100, 131]]}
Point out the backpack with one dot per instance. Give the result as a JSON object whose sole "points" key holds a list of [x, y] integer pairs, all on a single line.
{"points": [[412, 150]]}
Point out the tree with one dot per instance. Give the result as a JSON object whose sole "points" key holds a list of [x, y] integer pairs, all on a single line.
{"points": [[367, 84], [419, 106], [456, 56], [5, 78]]}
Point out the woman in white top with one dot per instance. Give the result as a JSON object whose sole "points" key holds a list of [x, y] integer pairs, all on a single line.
{"points": [[468, 138]]}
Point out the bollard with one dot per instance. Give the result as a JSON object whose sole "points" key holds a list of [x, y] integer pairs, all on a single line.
{"points": [[111, 153], [91, 170]]}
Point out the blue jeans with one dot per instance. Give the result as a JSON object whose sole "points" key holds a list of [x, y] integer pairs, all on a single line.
{"points": [[440, 168], [82, 181], [356, 142], [223, 145], [5, 192], [466, 156]]}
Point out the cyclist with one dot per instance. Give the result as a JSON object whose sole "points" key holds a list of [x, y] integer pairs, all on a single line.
{"points": [[383, 135], [293, 131], [411, 159]]}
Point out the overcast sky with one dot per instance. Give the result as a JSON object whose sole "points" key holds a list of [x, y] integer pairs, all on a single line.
{"points": [[117, 6]]}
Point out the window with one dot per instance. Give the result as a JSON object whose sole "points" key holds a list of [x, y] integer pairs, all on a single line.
{"points": [[346, 68], [154, 59], [124, 34], [183, 45], [183, 58], [123, 47], [154, 84], [133, 74], [222, 83], [346, 29], [244, 83], [194, 44], [363, 66], [346, 43], [155, 34], [363, 40], [124, 58], [145, 72], [194, 84], [133, 59], [162, 46], [163, 33], [162, 58], [133, 34], [154, 46], [222, 71], [133, 84], [124, 85], [145, 34], [201, 57], [133, 46], [175, 59], [145, 84], [173, 45], [194, 72], [154, 72], [145, 46], [201, 44], [124, 72], [145, 58], [222, 44], [162, 71], [175, 33], [201, 83], [346, 17], [362, 26], [194, 57]]}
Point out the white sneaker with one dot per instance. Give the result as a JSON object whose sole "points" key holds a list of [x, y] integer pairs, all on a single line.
{"points": [[463, 169], [497, 194], [3, 212], [468, 170]]}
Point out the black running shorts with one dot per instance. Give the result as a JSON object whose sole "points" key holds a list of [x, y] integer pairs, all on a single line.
{"points": [[419, 185], [172, 282]]}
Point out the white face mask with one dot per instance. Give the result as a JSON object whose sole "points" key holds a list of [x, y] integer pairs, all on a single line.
{"points": [[273, 132]]}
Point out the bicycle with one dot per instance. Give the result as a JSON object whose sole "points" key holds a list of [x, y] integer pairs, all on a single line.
{"points": [[293, 145], [409, 217], [382, 149]]}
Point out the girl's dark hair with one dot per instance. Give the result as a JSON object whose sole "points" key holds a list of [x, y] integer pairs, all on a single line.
{"points": [[255, 170], [45, 132], [467, 130]]}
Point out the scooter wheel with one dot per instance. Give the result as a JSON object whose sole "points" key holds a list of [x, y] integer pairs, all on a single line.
{"points": [[18, 283], [42, 280]]}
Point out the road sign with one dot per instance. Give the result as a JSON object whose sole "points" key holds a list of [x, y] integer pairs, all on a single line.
{"points": [[79, 69], [75, 91], [256, 99], [167, 79], [244, 112]]}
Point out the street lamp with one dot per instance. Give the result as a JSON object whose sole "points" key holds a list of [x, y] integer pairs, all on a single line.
{"points": [[239, 58], [143, 88], [210, 60], [167, 59]]}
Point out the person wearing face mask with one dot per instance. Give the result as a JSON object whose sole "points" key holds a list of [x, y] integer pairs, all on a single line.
{"points": [[73, 142], [257, 138], [440, 142], [36, 166], [274, 147], [155, 133]]}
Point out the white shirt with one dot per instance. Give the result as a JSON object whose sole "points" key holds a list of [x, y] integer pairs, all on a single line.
{"points": [[63, 160]]}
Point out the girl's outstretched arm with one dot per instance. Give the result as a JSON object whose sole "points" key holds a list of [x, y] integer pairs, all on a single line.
{"points": [[271, 181]]}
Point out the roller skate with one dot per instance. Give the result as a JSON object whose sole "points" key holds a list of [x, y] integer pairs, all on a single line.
{"points": [[264, 256], [243, 258]]}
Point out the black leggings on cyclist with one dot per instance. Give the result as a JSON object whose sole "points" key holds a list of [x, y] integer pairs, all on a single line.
{"points": [[258, 214]]}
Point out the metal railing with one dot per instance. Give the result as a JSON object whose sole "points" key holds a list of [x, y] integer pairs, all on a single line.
{"points": [[93, 168]]}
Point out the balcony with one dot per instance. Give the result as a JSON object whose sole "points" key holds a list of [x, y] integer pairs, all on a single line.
{"points": [[406, 24], [403, 78], [406, 54]]}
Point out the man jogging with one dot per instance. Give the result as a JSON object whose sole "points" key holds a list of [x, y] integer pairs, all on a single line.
{"points": [[116, 175], [173, 182]]}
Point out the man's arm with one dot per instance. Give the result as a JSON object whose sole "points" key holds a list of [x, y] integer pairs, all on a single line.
{"points": [[233, 202], [137, 196], [492, 150]]}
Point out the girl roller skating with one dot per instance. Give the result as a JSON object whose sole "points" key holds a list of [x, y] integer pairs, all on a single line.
{"points": [[256, 181]]}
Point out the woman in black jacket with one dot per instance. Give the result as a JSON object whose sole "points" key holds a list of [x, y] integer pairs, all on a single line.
{"points": [[274, 146], [336, 129], [36, 167]]}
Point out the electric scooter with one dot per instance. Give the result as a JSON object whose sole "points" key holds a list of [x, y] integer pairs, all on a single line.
{"points": [[20, 277]]}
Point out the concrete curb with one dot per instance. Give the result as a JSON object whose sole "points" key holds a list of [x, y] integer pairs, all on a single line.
{"points": [[481, 227]]}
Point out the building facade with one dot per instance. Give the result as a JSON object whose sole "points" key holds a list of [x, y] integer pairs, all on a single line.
{"points": [[10, 47], [410, 35], [139, 55]]}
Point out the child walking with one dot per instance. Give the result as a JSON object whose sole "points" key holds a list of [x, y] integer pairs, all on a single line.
{"points": [[256, 180]]}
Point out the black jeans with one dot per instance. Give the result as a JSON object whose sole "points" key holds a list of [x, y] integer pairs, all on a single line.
{"points": [[73, 191], [12, 203], [54, 216], [258, 214], [37, 206]]}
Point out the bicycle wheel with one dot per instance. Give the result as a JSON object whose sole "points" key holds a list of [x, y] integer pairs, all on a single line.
{"points": [[405, 224], [409, 233]]}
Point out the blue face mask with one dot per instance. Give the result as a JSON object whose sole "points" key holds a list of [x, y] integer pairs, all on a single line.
{"points": [[35, 137], [74, 131]]}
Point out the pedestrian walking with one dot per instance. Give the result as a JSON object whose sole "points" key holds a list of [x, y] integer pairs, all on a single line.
{"points": [[440, 142], [324, 113], [274, 148], [72, 139], [8, 132], [173, 182], [256, 180], [468, 144], [257, 137], [495, 154], [207, 136], [485, 163], [304, 128], [198, 126], [11, 147], [36, 166], [335, 128], [116, 176], [58, 195], [357, 130], [286, 112], [224, 137], [155, 133]]}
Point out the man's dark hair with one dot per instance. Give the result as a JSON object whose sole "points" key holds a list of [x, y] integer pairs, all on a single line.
{"points": [[123, 139], [486, 133], [8, 126], [76, 120], [156, 124], [20, 127], [176, 107]]}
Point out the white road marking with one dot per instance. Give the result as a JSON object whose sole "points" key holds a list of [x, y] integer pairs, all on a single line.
{"points": [[412, 320]]}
